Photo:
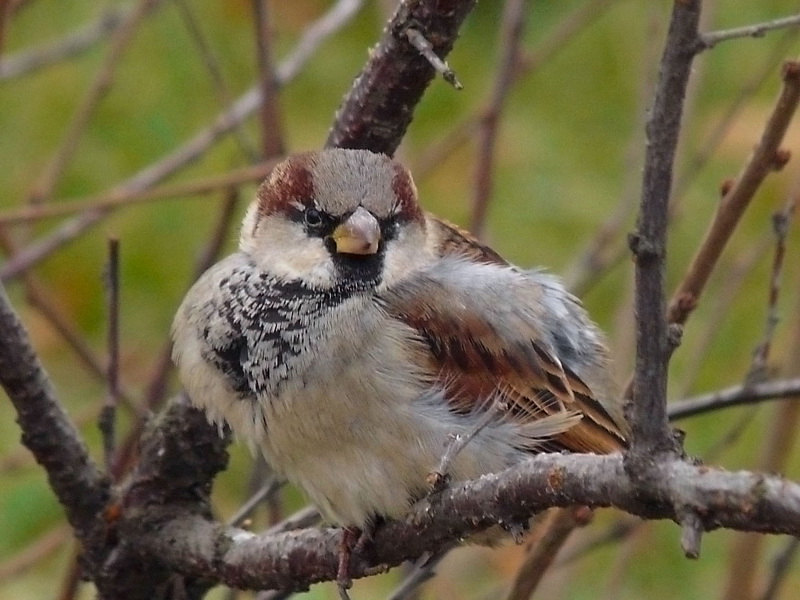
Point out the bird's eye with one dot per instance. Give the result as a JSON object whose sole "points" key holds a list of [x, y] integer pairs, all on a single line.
{"points": [[312, 217]]}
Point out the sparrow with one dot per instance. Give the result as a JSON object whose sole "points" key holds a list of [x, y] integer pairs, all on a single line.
{"points": [[354, 335]]}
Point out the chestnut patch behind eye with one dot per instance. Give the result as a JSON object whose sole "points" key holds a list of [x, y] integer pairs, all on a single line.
{"points": [[290, 182], [408, 208]]}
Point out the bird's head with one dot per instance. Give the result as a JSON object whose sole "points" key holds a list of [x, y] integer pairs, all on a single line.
{"points": [[336, 217]]}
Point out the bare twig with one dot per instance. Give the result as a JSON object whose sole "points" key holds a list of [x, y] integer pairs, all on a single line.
{"points": [[43, 188], [607, 245], [560, 523], [712, 38], [271, 127], [163, 365], [510, 36], [780, 568], [780, 225], [734, 396], [647, 414], [121, 197], [691, 534], [422, 571], [265, 491], [215, 71], [35, 552], [439, 478], [245, 105], [32, 59], [766, 158], [424, 47], [38, 297], [574, 23], [107, 420]]}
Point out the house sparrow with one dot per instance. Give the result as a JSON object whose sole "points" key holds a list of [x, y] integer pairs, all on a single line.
{"points": [[353, 335]]}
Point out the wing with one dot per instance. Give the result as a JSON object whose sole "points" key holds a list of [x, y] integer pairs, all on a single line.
{"points": [[491, 329], [450, 240]]}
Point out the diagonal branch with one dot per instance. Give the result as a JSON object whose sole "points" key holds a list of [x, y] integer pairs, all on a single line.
{"points": [[765, 158], [46, 430], [379, 107]]}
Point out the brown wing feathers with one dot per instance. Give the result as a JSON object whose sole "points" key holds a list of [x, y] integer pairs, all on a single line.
{"points": [[476, 362]]}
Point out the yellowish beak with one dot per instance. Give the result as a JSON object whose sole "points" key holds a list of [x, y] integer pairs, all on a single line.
{"points": [[359, 234]]}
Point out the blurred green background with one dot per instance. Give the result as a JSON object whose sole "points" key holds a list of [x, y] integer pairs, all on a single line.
{"points": [[568, 155]]}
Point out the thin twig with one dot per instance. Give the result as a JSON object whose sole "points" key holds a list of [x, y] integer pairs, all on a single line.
{"points": [[712, 38], [780, 225], [766, 158], [510, 36], [212, 65], [601, 252], [107, 420], [527, 64], [333, 20], [734, 396], [271, 124], [423, 570], [424, 47], [438, 479], [555, 531], [122, 198], [44, 187], [156, 389], [271, 486], [32, 59], [37, 296], [780, 568]]}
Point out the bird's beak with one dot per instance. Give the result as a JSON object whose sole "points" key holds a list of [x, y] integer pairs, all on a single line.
{"points": [[359, 234]]}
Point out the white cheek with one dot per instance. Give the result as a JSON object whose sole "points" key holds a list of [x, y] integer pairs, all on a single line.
{"points": [[405, 255], [283, 249]]}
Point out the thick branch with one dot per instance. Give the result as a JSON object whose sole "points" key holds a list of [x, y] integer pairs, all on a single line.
{"points": [[740, 500], [647, 413], [46, 430], [379, 107]]}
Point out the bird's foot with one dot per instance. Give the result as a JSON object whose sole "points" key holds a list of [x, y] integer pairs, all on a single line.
{"points": [[353, 541]]}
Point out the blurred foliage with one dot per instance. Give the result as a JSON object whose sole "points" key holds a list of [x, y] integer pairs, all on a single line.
{"points": [[570, 148]]}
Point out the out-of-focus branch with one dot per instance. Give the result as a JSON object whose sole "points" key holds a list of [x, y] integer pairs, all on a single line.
{"points": [[44, 187], [510, 36], [766, 157], [379, 107], [25, 61], [333, 20]]}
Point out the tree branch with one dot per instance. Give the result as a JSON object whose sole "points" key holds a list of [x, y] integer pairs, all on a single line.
{"points": [[647, 412], [712, 38], [196, 547], [766, 157], [79, 484], [379, 107]]}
